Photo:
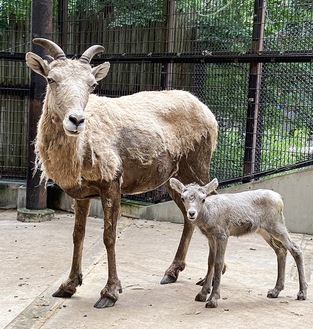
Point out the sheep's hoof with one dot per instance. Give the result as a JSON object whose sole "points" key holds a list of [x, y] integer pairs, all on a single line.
{"points": [[168, 279], [301, 295], [62, 294], [273, 293], [104, 302]]}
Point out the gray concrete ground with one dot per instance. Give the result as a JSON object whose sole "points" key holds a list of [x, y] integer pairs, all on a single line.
{"points": [[35, 258]]}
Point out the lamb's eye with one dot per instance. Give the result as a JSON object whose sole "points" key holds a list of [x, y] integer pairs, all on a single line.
{"points": [[50, 80], [203, 200], [183, 199], [94, 86]]}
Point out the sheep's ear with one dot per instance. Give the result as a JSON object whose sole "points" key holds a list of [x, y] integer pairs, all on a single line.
{"points": [[37, 64], [211, 187], [101, 70], [177, 185]]}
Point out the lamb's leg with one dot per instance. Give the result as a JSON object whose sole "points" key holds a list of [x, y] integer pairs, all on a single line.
{"points": [[75, 279], [202, 295], [281, 254], [111, 206], [218, 267], [282, 235], [201, 281], [179, 263]]}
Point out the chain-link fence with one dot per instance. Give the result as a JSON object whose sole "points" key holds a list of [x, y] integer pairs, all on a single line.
{"points": [[250, 61]]}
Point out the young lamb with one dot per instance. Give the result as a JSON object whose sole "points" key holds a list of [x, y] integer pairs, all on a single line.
{"points": [[223, 215], [98, 146]]}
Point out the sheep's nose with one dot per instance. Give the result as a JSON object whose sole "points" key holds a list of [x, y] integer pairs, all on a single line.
{"points": [[77, 120]]}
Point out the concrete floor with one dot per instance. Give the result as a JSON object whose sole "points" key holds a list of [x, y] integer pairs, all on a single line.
{"points": [[36, 257]]}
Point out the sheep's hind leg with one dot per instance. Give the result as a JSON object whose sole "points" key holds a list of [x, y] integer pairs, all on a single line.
{"points": [[178, 264], [75, 279]]}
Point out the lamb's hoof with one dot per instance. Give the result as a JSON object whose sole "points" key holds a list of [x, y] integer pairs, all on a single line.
{"points": [[200, 282], [211, 304], [104, 302], [62, 294], [301, 295], [168, 279], [201, 297]]}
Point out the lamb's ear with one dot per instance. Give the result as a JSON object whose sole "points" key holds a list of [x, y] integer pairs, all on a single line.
{"points": [[101, 70], [37, 64], [212, 186], [177, 185]]}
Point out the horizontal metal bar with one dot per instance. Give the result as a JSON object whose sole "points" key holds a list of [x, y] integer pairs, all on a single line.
{"points": [[264, 173], [203, 57], [12, 56], [17, 90], [261, 57]]}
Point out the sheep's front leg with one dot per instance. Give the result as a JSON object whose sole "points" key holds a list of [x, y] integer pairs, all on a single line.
{"points": [[202, 295], [75, 279], [221, 244], [111, 206]]}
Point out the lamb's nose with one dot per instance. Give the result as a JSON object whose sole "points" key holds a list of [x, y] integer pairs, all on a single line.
{"points": [[192, 213], [77, 120]]}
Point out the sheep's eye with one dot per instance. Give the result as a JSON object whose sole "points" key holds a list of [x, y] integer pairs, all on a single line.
{"points": [[50, 80], [203, 200], [183, 199], [94, 86]]}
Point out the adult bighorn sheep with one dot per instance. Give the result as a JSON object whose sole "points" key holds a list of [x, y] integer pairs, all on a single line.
{"points": [[98, 146], [223, 215]]}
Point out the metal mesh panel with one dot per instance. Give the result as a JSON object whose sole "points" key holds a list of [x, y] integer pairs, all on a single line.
{"points": [[14, 38], [14, 26], [286, 120], [288, 26], [226, 89], [128, 78]]}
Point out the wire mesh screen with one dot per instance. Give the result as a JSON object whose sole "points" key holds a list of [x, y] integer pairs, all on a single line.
{"points": [[285, 119], [250, 61], [226, 89], [14, 38], [288, 26]]}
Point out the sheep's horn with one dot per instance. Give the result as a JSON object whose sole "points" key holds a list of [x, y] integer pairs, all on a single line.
{"points": [[87, 56], [54, 50]]}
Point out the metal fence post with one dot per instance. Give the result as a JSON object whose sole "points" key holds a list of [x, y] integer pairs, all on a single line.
{"points": [[63, 23], [36, 193], [254, 90], [168, 42]]}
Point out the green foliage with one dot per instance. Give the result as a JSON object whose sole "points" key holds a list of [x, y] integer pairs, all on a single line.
{"points": [[17, 8], [137, 12], [11, 11], [221, 22], [227, 161], [279, 149]]}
